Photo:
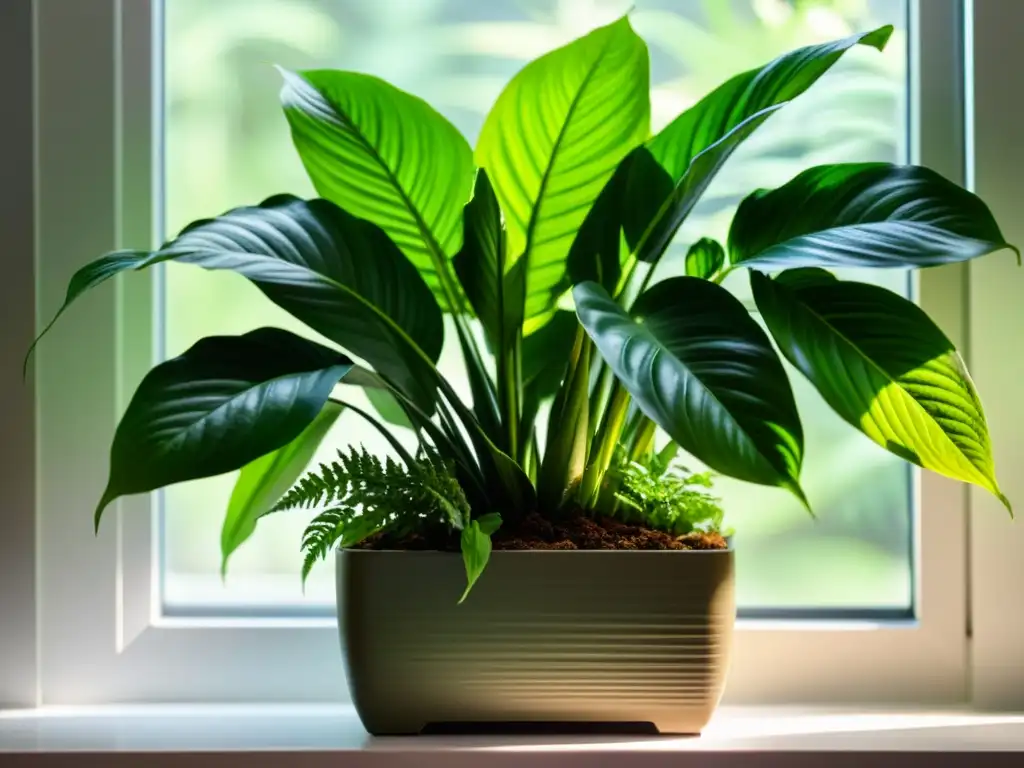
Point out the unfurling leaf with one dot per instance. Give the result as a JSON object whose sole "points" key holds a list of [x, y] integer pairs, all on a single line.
{"points": [[704, 258]]}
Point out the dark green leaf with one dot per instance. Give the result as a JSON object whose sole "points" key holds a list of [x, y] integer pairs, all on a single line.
{"points": [[224, 403], [386, 156], [476, 551], [546, 352], [495, 292], [87, 277], [262, 482], [596, 253], [885, 367], [340, 275], [865, 215], [693, 147], [649, 242], [704, 258], [701, 368], [552, 140]]}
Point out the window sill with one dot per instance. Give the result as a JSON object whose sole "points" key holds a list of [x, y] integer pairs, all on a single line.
{"points": [[221, 735]]}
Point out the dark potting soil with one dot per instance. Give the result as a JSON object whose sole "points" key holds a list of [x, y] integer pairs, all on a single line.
{"points": [[573, 531]]}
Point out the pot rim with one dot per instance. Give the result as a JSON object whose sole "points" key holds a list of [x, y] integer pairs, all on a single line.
{"points": [[505, 552]]}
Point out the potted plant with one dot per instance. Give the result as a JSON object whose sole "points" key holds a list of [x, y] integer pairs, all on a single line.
{"points": [[541, 244]]}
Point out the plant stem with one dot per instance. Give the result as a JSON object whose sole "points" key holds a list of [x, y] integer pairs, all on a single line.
{"points": [[567, 446], [509, 389], [603, 447]]}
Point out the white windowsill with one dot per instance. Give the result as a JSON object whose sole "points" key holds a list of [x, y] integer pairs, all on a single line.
{"points": [[331, 735]]}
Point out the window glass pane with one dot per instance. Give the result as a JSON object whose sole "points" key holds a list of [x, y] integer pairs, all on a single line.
{"points": [[227, 144]]}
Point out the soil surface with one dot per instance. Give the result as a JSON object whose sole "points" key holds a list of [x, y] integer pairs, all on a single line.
{"points": [[574, 531]]}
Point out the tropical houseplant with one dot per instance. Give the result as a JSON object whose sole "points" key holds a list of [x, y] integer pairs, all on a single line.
{"points": [[542, 246]]}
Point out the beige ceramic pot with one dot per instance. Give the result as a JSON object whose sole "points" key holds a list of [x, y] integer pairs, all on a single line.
{"points": [[551, 640]]}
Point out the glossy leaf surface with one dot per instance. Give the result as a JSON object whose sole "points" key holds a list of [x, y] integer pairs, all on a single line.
{"points": [[224, 403], [552, 140], [862, 215], [701, 368], [885, 367], [262, 482], [383, 155]]}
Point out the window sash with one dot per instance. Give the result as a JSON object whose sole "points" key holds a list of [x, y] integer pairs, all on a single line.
{"points": [[101, 638]]}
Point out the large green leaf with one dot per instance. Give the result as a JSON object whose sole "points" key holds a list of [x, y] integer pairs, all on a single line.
{"points": [[386, 156], [701, 368], [693, 147], [862, 214], [552, 140], [340, 275], [224, 403], [884, 366], [262, 482]]}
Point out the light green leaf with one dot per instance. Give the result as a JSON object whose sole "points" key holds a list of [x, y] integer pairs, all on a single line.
{"points": [[703, 370], [881, 363], [864, 215], [262, 482], [387, 156], [552, 140], [476, 551], [224, 403], [705, 258], [489, 523]]}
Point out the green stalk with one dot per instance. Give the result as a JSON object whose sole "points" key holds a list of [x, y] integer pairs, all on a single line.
{"points": [[643, 440], [603, 446], [565, 454], [509, 395]]}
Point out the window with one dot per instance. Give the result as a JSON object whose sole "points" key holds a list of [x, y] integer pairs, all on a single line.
{"points": [[226, 144], [139, 613]]}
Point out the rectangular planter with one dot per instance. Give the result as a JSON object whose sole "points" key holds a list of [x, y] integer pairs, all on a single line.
{"points": [[545, 637]]}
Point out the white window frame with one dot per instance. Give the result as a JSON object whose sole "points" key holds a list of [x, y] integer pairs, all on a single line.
{"points": [[90, 628]]}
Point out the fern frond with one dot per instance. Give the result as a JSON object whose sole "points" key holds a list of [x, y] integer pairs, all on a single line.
{"points": [[668, 498], [365, 495], [316, 489]]}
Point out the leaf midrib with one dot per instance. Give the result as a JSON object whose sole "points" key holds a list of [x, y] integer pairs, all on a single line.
{"points": [[182, 432], [885, 374], [690, 373], [545, 179], [433, 247]]}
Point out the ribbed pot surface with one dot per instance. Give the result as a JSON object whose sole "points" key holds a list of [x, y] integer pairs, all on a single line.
{"points": [[545, 637]]}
